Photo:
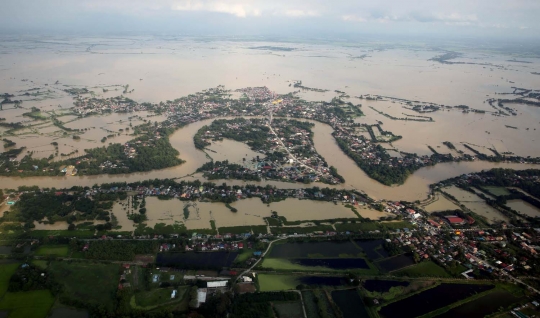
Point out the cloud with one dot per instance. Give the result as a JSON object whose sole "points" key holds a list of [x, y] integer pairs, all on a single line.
{"points": [[301, 13], [236, 8], [448, 18], [352, 17]]}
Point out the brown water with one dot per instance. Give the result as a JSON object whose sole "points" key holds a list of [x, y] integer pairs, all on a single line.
{"points": [[524, 207], [476, 204], [174, 68]]}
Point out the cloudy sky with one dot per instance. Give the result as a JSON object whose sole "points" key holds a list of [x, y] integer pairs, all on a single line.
{"points": [[467, 18]]}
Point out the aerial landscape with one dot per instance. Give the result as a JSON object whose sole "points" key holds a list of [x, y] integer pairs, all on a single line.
{"points": [[186, 161]]}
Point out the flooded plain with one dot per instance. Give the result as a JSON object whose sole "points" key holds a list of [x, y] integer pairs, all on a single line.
{"points": [[523, 207], [249, 212], [440, 203], [406, 73], [476, 204]]}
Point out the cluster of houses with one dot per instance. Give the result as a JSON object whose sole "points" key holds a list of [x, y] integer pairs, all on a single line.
{"points": [[286, 140]]}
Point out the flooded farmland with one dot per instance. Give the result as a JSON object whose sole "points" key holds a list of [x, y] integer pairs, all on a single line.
{"points": [[476, 204], [440, 203], [524, 208], [384, 73]]}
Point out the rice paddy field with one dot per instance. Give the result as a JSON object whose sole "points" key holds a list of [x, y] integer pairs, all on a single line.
{"points": [[56, 250], [94, 282], [30, 304]]}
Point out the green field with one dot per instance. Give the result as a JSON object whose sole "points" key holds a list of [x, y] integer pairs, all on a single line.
{"points": [[157, 297], [269, 282], [497, 191], [423, 269], [92, 282], [366, 226], [40, 263], [56, 250], [300, 230], [242, 257], [6, 271], [31, 304], [283, 264], [62, 233]]}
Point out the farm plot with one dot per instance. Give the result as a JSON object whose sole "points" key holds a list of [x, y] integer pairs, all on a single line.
{"points": [[291, 309], [93, 282], [31, 304], [349, 303], [56, 250], [431, 300]]}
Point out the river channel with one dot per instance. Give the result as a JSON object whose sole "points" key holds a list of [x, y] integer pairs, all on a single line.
{"points": [[415, 188]]}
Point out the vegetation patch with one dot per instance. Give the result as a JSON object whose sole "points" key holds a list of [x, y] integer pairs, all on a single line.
{"points": [[31, 304], [269, 282], [56, 250], [423, 269], [92, 282], [6, 271], [158, 297]]}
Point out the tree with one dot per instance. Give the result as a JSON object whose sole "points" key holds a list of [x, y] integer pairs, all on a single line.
{"points": [[71, 227]]}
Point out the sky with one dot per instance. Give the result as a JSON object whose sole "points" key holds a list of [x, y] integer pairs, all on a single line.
{"points": [[453, 18]]}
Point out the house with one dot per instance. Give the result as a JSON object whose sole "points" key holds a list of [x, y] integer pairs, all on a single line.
{"points": [[173, 294]]}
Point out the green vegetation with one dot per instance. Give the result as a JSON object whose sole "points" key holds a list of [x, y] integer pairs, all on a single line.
{"points": [[56, 250], [148, 300], [269, 282], [423, 269], [497, 191], [31, 304], [256, 229], [6, 271], [89, 282], [300, 230], [283, 264], [120, 250]]}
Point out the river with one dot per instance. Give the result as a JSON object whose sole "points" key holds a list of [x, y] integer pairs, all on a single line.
{"points": [[415, 188]]}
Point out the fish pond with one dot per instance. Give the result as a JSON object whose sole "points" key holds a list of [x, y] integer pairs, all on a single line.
{"points": [[396, 262], [482, 306], [346, 249], [333, 263], [214, 260], [382, 286], [431, 299], [350, 304]]}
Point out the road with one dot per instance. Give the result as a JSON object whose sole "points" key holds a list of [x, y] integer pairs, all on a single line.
{"points": [[290, 154], [257, 262]]}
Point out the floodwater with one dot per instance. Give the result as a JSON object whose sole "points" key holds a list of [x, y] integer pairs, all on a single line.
{"points": [[441, 203], [476, 204], [402, 73], [231, 150], [62, 225], [250, 212], [523, 207]]}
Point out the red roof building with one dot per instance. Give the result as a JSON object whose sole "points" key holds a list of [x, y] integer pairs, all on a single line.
{"points": [[455, 220]]}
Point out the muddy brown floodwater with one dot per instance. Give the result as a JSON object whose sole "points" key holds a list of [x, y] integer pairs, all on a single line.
{"points": [[415, 188]]}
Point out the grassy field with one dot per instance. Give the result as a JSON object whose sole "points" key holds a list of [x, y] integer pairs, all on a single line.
{"points": [[56, 250], [6, 271], [157, 297], [497, 191], [61, 233], [242, 257], [31, 304], [283, 264], [269, 282], [93, 282], [40, 263], [366, 226], [300, 230], [423, 269]]}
